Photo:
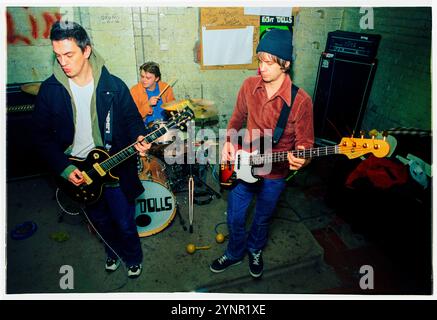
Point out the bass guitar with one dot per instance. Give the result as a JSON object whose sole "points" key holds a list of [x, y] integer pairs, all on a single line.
{"points": [[242, 167], [96, 167]]}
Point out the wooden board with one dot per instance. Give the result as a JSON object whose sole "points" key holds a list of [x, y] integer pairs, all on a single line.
{"points": [[229, 18]]}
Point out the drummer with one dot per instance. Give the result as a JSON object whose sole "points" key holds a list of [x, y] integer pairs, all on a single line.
{"points": [[146, 93]]}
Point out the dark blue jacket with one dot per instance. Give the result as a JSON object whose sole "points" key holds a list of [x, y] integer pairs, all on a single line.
{"points": [[54, 126]]}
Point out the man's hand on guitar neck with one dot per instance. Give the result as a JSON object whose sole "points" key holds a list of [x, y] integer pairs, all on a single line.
{"points": [[297, 163], [142, 146]]}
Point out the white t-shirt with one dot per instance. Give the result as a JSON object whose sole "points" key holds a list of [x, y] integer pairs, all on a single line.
{"points": [[83, 135]]}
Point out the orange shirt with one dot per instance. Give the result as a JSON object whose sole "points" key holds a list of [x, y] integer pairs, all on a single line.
{"points": [[138, 93]]}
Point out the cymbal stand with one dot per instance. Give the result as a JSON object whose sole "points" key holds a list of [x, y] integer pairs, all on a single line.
{"points": [[212, 193], [191, 200]]}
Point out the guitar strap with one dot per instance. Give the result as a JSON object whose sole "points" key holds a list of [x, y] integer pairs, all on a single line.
{"points": [[283, 117], [108, 131]]}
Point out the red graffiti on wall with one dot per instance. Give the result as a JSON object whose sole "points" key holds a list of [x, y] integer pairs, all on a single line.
{"points": [[49, 19], [12, 36], [34, 25]]}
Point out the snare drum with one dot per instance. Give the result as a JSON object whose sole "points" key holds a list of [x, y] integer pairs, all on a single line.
{"points": [[155, 208]]}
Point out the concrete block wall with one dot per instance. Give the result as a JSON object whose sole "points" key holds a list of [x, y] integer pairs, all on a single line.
{"points": [[128, 36], [168, 36], [112, 35], [401, 92], [30, 57], [29, 52], [309, 39]]}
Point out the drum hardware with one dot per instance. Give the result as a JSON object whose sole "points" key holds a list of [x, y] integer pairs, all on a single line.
{"points": [[190, 202], [181, 220], [192, 195], [204, 111]]}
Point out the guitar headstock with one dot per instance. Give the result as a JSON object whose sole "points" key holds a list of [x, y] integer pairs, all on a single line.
{"points": [[178, 118], [357, 147]]}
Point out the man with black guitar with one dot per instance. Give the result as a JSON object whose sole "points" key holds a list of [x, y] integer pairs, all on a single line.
{"points": [[264, 102], [82, 107]]}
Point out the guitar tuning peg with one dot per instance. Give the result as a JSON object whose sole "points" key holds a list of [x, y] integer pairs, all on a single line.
{"points": [[353, 133], [362, 133], [384, 135]]}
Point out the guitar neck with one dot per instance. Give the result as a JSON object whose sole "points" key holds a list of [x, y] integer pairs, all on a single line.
{"points": [[281, 156], [129, 151]]}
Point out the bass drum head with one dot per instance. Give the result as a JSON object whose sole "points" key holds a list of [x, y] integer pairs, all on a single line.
{"points": [[155, 208]]}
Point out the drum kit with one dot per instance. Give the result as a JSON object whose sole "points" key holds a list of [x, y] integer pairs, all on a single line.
{"points": [[157, 206]]}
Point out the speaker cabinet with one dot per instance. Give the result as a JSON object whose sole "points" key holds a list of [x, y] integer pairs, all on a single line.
{"points": [[22, 160], [341, 94]]}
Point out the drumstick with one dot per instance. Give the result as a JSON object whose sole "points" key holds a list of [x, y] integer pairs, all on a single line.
{"points": [[166, 87]]}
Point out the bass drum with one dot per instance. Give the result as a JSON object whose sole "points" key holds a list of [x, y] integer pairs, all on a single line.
{"points": [[155, 208]]}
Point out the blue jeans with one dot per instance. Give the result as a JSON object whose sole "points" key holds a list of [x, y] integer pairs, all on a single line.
{"points": [[113, 216], [268, 192]]}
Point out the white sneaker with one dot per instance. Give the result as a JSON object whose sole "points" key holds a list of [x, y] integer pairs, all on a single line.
{"points": [[134, 271], [111, 264]]}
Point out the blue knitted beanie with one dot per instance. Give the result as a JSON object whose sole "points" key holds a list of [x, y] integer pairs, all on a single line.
{"points": [[278, 43]]}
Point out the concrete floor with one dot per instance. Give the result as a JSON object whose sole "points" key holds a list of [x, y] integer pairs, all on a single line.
{"points": [[295, 260]]}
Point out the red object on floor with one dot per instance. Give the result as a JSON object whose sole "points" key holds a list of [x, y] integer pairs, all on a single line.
{"points": [[347, 262]]}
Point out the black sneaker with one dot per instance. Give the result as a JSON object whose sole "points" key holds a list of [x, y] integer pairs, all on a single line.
{"points": [[222, 263], [256, 264], [134, 271], [111, 264]]}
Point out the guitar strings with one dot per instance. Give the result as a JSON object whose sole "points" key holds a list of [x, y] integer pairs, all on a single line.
{"points": [[131, 152], [306, 153]]}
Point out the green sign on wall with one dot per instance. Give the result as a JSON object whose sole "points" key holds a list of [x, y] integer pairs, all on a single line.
{"points": [[270, 22]]}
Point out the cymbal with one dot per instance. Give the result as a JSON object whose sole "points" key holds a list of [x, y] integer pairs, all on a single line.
{"points": [[204, 112], [203, 109], [31, 88], [202, 102], [174, 105]]}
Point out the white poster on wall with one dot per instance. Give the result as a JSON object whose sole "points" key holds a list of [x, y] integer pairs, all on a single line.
{"points": [[227, 46]]}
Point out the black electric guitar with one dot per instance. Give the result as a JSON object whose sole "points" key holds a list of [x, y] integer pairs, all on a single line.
{"points": [[96, 167], [242, 168]]}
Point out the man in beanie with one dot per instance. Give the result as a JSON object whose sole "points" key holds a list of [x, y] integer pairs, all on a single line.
{"points": [[260, 101]]}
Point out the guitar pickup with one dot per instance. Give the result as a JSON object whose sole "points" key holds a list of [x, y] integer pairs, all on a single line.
{"points": [[99, 169], [87, 178]]}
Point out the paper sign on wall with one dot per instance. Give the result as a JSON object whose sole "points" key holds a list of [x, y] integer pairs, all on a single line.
{"points": [[227, 46]]}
